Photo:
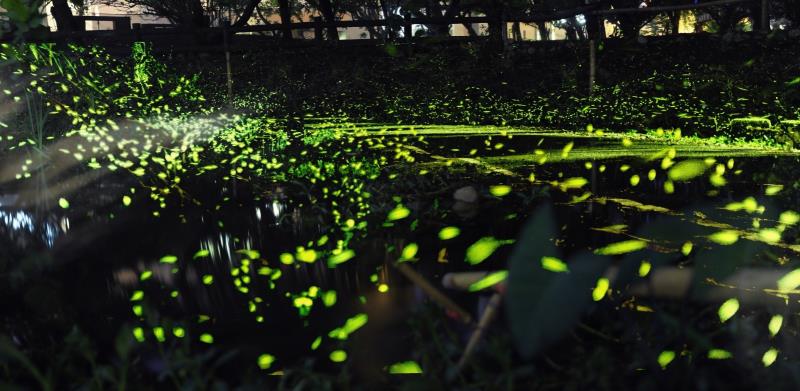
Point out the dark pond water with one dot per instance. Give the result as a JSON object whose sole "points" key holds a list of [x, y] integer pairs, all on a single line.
{"points": [[209, 264]]}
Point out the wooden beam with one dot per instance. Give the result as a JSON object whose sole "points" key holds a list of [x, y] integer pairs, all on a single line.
{"points": [[667, 8]]}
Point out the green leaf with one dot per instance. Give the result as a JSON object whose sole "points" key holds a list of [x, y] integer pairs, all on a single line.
{"points": [[775, 324], [614, 229], [600, 289], [623, 247], [483, 248], [265, 361], [728, 309], [398, 213], [18, 11], [201, 254], [789, 217], [500, 190], [725, 238], [686, 248], [719, 354], [687, 170], [773, 189], [790, 281], [409, 252], [341, 257], [566, 150], [541, 305], [769, 357], [405, 368], [769, 235], [665, 358], [306, 255], [448, 233], [489, 281], [554, 264], [338, 356], [249, 253], [350, 326], [573, 183], [8, 350]]}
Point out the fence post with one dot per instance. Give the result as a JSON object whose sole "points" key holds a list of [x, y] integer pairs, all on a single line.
{"points": [[122, 24], [407, 33], [600, 25], [137, 32], [318, 28], [225, 38], [592, 65], [675, 22], [390, 25], [503, 30]]}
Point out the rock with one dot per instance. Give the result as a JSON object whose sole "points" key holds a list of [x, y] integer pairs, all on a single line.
{"points": [[465, 210], [466, 194]]}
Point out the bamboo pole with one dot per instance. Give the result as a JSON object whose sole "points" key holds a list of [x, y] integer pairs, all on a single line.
{"points": [[225, 32], [435, 294], [592, 65], [489, 313]]}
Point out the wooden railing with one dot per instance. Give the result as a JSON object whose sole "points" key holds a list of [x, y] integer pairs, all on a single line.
{"points": [[595, 23]]}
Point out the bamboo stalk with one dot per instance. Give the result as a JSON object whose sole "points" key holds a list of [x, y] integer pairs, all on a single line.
{"points": [[592, 65], [228, 72], [489, 313], [435, 294]]}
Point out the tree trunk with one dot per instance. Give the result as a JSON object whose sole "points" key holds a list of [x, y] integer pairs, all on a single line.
{"points": [[515, 28], [630, 25], [497, 28], [453, 9], [581, 34], [674, 22], [286, 17], [195, 16], [326, 8], [470, 29], [65, 22], [595, 27], [544, 32], [570, 31], [390, 31], [247, 13]]}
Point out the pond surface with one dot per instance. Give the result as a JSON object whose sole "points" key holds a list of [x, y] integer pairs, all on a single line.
{"points": [[280, 268]]}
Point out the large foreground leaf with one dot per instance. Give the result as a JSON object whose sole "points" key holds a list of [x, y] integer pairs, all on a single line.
{"points": [[542, 304]]}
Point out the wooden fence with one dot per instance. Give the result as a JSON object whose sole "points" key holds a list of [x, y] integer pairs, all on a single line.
{"points": [[124, 32], [227, 38]]}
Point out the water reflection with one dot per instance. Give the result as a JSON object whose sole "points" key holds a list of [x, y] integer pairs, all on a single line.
{"points": [[207, 279], [25, 229]]}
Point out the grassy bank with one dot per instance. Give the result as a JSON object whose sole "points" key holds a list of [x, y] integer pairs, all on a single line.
{"points": [[729, 86]]}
